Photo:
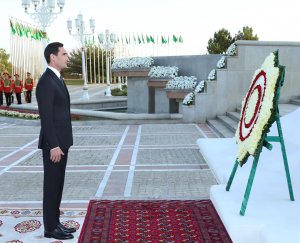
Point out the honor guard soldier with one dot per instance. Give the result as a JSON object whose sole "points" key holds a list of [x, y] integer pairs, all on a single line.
{"points": [[12, 85], [8, 84], [18, 86], [28, 87], [1, 90]]}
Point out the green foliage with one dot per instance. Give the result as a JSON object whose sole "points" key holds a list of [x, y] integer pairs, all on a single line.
{"points": [[245, 34], [5, 65], [222, 39], [220, 42], [74, 82], [118, 92], [74, 70]]}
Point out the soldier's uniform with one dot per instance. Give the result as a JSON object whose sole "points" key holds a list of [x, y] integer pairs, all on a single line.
{"points": [[18, 86], [1, 90], [28, 87], [8, 87]]}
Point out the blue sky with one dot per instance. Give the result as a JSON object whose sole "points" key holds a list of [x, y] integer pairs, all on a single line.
{"points": [[196, 20]]}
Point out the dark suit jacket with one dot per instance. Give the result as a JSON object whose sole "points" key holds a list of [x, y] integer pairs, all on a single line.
{"points": [[54, 107]]}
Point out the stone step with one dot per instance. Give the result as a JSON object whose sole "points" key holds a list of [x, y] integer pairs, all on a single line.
{"points": [[229, 123], [220, 128], [234, 115]]}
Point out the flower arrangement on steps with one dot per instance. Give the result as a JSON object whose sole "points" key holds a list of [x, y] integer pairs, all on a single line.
{"points": [[167, 72], [231, 51], [189, 99], [132, 62]]}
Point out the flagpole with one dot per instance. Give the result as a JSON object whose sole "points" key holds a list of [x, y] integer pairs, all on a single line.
{"points": [[98, 66]]}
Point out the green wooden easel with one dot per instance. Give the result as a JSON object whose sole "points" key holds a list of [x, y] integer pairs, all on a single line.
{"points": [[266, 144]]}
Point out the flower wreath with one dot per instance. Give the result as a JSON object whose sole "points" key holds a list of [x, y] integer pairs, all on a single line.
{"points": [[258, 108]]}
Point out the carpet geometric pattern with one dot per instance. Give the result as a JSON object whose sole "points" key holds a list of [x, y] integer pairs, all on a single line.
{"points": [[153, 221]]}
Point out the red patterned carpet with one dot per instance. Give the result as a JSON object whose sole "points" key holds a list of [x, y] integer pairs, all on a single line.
{"points": [[153, 221]]}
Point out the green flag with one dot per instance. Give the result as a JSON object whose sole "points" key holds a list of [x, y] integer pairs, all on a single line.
{"points": [[13, 30], [180, 40], [152, 39], [139, 39], [143, 38], [126, 39], [134, 39], [163, 40], [175, 38], [148, 39]]}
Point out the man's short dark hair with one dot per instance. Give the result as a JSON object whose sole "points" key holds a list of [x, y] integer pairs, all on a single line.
{"points": [[52, 48]]}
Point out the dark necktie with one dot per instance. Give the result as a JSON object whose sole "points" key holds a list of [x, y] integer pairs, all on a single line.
{"points": [[62, 80]]}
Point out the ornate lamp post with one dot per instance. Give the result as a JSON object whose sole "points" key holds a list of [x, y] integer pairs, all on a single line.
{"points": [[107, 41], [79, 36], [43, 14]]}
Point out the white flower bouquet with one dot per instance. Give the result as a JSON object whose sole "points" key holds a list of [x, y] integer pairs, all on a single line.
{"points": [[182, 82], [222, 62], [232, 50], [200, 87], [189, 99], [212, 75], [133, 62], [163, 72]]}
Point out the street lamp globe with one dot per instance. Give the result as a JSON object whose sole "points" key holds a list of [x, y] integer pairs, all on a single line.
{"points": [[43, 14]]}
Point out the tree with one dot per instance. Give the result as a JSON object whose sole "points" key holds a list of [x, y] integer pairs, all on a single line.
{"points": [[220, 42], [74, 69], [5, 65], [245, 34]]}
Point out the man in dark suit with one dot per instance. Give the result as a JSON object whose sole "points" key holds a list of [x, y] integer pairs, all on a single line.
{"points": [[55, 137]]}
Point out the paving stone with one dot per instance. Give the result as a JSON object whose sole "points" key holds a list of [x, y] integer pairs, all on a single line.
{"points": [[169, 156], [96, 140], [81, 185], [169, 139], [151, 128], [16, 141], [21, 186], [21, 130], [76, 157], [3, 153], [29, 186], [179, 184], [99, 129]]}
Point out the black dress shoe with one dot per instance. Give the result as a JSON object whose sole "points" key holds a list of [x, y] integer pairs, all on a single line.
{"points": [[58, 234], [65, 229]]}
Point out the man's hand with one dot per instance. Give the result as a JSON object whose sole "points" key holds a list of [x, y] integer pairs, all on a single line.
{"points": [[55, 154]]}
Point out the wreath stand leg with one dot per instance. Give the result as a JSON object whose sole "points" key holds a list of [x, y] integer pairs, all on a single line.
{"points": [[278, 138], [284, 156], [232, 175], [249, 185]]}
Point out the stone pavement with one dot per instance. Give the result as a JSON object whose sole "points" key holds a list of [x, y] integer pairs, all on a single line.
{"points": [[147, 161]]}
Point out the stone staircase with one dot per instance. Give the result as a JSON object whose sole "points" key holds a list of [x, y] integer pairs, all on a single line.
{"points": [[225, 126]]}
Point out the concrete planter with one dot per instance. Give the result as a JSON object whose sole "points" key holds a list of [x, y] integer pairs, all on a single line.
{"points": [[189, 113], [177, 94]]}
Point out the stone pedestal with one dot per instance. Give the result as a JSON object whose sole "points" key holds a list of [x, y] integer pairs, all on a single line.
{"points": [[137, 89], [176, 97], [158, 100], [188, 113]]}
